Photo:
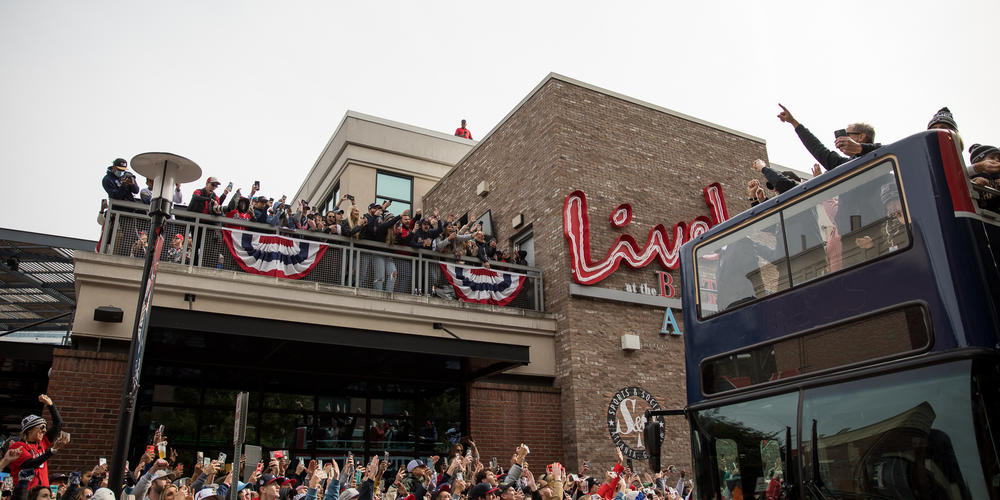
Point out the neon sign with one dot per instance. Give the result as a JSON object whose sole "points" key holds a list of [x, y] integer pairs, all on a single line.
{"points": [[661, 246]]}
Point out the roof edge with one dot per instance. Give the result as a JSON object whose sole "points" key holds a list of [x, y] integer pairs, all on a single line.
{"points": [[556, 76], [51, 240]]}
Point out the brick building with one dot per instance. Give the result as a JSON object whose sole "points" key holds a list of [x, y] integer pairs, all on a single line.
{"points": [[329, 360], [567, 135]]}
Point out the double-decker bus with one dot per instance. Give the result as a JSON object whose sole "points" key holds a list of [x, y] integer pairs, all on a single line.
{"points": [[841, 339]]}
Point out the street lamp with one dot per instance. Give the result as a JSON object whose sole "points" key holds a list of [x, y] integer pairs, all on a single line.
{"points": [[165, 169]]}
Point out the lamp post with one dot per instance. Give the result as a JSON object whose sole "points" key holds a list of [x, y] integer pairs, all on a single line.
{"points": [[165, 169]]}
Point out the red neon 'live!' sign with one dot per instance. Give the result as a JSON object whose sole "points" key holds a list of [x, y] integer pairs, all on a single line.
{"points": [[659, 247]]}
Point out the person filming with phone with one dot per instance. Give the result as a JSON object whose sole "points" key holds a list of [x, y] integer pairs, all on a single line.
{"points": [[38, 443], [855, 140]]}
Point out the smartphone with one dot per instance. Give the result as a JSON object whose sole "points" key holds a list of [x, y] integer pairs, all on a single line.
{"points": [[256, 184], [201, 457], [102, 461], [319, 464], [206, 461], [55, 490], [260, 466], [278, 455], [229, 186], [160, 430], [840, 133], [350, 197], [386, 456], [222, 457], [151, 449], [587, 463], [459, 476]]}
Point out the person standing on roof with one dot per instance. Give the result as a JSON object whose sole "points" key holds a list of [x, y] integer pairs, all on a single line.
{"points": [[463, 132]]}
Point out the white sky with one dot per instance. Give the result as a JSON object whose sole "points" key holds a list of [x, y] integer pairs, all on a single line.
{"points": [[253, 90]]}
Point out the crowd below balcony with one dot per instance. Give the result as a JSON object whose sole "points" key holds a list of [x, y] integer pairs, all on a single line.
{"points": [[447, 471]]}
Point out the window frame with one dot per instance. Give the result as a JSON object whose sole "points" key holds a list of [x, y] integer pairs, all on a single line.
{"points": [[779, 208], [928, 326], [393, 199]]}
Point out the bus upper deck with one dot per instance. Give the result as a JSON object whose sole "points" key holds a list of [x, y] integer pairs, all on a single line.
{"points": [[841, 338]]}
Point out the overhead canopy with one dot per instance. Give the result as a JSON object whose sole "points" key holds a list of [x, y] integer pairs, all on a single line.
{"points": [[196, 337], [36, 279]]}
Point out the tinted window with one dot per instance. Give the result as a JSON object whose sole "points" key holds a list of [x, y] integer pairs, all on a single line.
{"points": [[742, 445], [904, 435], [900, 331], [747, 264], [395, 188], [854, 221]]}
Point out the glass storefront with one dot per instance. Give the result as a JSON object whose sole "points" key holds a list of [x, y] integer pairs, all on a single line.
{"points": [[311, 400]]}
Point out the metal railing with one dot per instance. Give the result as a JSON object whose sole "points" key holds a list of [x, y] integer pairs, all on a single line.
{"points": [[346, 262]]}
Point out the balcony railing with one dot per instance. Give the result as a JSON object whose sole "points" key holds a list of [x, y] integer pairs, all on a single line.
{"points": [[346, 262]]}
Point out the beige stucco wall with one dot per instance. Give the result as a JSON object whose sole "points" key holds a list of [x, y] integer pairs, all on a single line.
{"points": [[107, 280], [363, 144]]}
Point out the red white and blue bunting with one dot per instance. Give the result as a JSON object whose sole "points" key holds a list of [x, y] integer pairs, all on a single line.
{"points": [[273, 255], [483, 286]]}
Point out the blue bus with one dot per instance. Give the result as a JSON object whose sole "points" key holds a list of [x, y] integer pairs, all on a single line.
{"points": [[841, 339]]}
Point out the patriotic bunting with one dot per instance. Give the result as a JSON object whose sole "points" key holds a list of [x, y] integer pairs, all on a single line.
{"points": [[273, 255], [484, 286]]}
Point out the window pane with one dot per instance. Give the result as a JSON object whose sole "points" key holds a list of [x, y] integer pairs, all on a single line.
{"points": [[285, 431], [396, 208], [901, 331], [904, 435], [846, 225], [217, 429], [176, 394], [288, 401], [180, 424], [390, 186], [745, 264], [745, 444]]}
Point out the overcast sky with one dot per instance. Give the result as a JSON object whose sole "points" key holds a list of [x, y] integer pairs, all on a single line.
{"points": [[253, 90]]}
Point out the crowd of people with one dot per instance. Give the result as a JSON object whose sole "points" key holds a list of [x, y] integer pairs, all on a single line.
{"points": [[858, 139], [457, 472], [418, 230]]}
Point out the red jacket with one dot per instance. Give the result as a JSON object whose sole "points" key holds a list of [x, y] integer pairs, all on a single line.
{"points": [[29, 451], [463, 133], [607, 490]]}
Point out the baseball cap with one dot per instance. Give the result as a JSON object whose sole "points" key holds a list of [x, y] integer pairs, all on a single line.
{"points": [[214, 180], [103, 494], [205, 493], [374, 205], [267, 479], [413, 464], [348, 494], [120, 163], [481, 490]]}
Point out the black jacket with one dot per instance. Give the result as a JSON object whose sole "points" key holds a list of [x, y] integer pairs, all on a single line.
{"points": [[829, 159], [373, 230]]}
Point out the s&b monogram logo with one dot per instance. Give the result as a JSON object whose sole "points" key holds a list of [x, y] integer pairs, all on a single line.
{"points": [[626, 420]]}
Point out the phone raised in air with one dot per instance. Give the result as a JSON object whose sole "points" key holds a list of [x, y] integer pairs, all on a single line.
{"points": [[840, 133]]}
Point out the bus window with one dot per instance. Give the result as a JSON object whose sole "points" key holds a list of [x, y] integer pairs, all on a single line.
{"points": [[904, 435], [744, 265], [744, 444], [844, 225], [902, 330]]}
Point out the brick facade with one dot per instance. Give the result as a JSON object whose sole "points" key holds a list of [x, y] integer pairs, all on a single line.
{"points": [[502, 416], [86, 387], [565, 137]]}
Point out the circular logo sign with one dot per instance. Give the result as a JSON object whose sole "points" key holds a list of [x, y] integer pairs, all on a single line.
{"points": [[626, 420]]}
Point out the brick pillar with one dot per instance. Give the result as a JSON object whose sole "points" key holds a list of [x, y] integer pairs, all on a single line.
{"points": [[86, 387], [502, 416]]}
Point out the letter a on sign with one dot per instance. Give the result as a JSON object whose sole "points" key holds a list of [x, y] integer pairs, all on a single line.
{"points": [[670, 324]]}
